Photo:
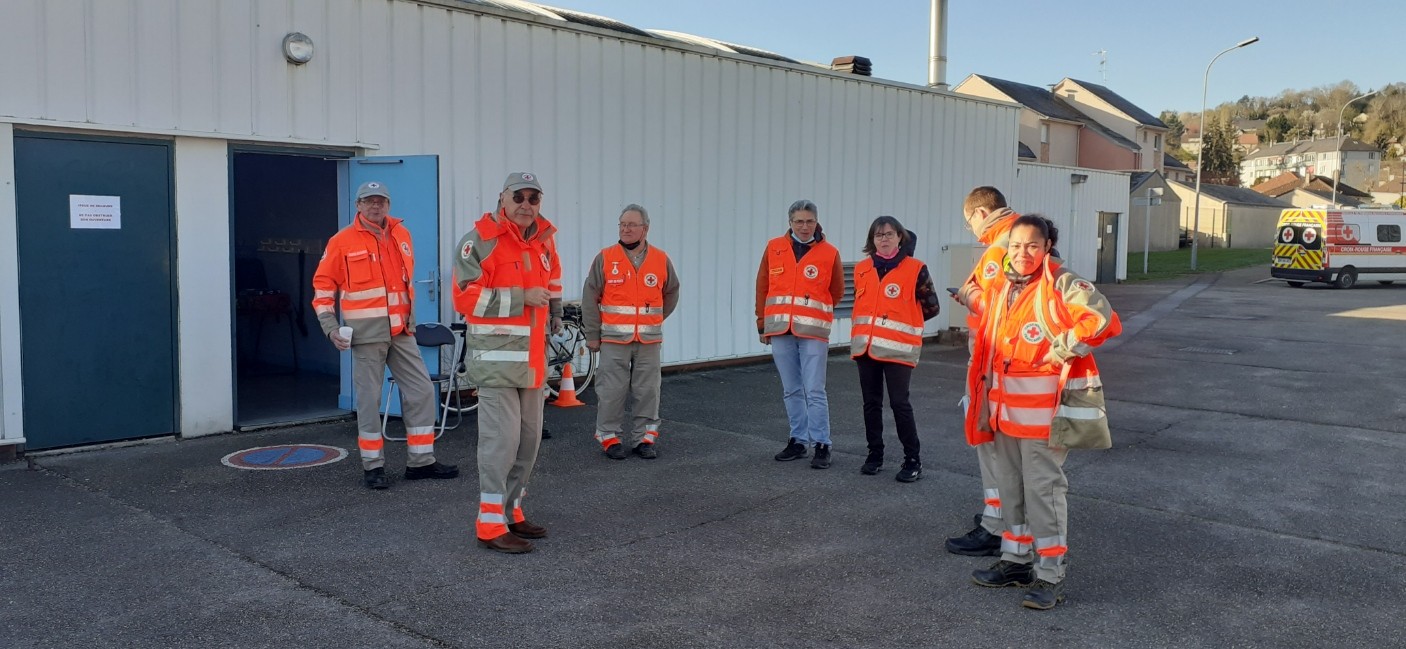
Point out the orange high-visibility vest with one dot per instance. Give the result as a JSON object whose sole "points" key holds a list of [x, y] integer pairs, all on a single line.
{"points": [[506, 339], [1013, 390], [632, 301], [798, 291], [888, 321], [373, 275]]}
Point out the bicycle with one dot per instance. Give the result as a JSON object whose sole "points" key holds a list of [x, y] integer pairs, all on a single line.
{"points": [[566, 346]]}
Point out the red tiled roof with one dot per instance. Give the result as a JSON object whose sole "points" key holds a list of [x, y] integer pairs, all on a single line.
{"points": [[1280, 185]]}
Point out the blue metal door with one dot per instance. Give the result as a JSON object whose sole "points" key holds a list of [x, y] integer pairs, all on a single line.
{"points": [[97, 289], [413, 182]]}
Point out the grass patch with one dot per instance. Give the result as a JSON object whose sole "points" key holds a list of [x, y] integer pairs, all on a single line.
{"points": [[1175, 263]]}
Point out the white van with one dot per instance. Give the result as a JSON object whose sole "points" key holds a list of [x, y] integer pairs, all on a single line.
{"points": [[1339, 246]]}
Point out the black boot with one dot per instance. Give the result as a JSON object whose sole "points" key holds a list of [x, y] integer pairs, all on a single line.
{"points": [[1004, 573], [976, 543], [1043, 595], [822, 457]]}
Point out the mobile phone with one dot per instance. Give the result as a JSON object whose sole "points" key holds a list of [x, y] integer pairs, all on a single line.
{"points": [[952, 292]]}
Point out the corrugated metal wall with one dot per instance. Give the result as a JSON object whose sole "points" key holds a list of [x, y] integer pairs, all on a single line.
{"points": [[715, 146], [1047, 189]]}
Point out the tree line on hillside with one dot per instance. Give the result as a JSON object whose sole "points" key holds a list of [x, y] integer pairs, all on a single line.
{"points": [[1379, 120]]}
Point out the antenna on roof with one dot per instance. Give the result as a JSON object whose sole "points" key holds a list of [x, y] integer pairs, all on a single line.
{"points": [[1102, 64]]}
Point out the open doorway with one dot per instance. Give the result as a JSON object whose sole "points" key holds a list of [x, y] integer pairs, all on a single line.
{"points": [[284, 209]]}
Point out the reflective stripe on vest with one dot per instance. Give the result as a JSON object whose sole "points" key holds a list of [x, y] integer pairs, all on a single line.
{"points": [[632, 299], [798, 292], [888, 321]]}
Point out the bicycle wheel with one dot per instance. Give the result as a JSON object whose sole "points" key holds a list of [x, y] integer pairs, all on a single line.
{"points": [[569, 346]]}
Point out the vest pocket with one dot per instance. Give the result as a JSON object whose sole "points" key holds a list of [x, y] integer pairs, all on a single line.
{"points": [[361, 270]]}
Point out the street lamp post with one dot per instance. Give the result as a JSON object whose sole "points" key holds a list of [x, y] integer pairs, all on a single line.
{"points": [[1201, 151], [1341, 166]]}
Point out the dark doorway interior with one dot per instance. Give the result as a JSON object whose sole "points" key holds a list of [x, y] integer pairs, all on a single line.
{"points": [[285, 208]]}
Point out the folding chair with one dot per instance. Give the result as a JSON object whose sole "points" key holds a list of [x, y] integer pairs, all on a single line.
{"points": [[436, 335]]}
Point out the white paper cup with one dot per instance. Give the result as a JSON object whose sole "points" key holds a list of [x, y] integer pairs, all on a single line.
{"points": [[345, 333]]}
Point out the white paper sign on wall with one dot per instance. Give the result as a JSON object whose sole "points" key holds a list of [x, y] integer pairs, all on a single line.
{"points": [[94, 212]]}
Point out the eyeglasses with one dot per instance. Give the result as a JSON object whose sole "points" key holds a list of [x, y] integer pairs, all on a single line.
{"points": [[375, 200], [533, 199], [804, 222], [886, 235], [631, 225]]}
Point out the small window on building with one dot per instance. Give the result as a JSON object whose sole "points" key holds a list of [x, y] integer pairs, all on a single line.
{"points": [[1044, 134], [1157, 143], [1388, 233]]}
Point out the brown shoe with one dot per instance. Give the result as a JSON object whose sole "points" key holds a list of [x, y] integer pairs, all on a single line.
{"points": [[528, 530], [508, 543]]}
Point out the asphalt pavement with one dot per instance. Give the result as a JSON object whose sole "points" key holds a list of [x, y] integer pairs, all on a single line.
{"points": [[1253, 498]]}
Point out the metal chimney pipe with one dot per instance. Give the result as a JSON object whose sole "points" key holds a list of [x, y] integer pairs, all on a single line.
{"points": [[937, 46]]}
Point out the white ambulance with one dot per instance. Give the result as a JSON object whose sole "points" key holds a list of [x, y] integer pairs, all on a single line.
{"points": [[1339, 247]]}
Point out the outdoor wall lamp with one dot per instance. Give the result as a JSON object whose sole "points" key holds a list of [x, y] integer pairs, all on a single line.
{"points": [[297, 48]]}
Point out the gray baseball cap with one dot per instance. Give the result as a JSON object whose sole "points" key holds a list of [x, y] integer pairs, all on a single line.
{"points": [[521, 180], [372, 188]]}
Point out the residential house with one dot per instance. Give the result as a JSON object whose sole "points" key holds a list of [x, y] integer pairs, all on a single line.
{"points": [[1121, 116], [1360, 163], [1231, 217], [1049, 129], [1390, 185], [1177, 170], [1155, 225], [1056, 131], [1312, 191]]}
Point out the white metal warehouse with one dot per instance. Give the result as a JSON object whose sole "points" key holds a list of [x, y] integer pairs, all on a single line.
{"points": [[216, 167]]}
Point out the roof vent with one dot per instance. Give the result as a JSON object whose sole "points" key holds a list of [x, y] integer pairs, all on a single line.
{"points": [[853, 65]]}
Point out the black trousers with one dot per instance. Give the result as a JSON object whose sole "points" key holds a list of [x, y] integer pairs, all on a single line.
{"points": [[872, 377]]}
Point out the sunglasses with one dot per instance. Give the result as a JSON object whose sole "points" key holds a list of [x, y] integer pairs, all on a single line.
{"points": [[534, 199]]}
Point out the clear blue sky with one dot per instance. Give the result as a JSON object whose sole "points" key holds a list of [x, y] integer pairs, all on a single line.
{"points": [[1157, 51]]}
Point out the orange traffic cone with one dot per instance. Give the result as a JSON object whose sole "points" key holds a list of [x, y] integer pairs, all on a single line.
{"points": [[566, 396]]}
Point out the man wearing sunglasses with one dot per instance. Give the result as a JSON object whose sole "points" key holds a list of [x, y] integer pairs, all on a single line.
{"points": [[629, 291], [507, 284], [370, 262]]}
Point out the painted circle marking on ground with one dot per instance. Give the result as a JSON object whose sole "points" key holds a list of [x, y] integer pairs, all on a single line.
{"points": [[283, 456]]}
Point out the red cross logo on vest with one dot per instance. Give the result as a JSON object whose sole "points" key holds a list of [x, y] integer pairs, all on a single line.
{"points": [[1032, 333], [467, 249], [546, 262], [811, 271], [1083, 285], [990, 269], [651, 280], [892, 290]]}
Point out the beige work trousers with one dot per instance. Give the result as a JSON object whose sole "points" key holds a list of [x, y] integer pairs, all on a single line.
{"points": [[627, 373], [1034, 503], [417, 398], [509, 434]]}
